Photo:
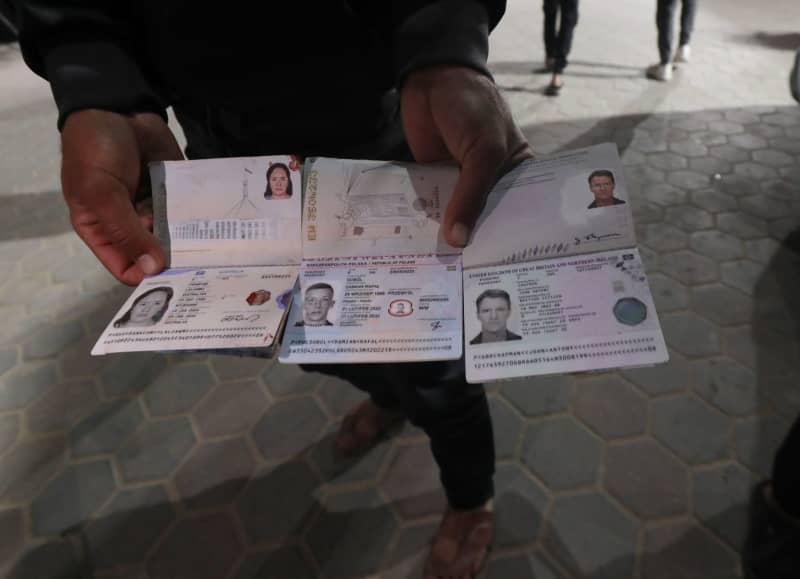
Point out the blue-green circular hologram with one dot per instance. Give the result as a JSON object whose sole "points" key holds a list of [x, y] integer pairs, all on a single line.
{"points": [[630, 311]]}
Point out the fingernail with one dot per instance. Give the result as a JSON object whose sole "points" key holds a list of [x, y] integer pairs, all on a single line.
{"points": [[460, 234], [147, 264]]}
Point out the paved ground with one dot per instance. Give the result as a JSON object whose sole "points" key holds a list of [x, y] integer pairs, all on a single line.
{"points": [[208, 467]]}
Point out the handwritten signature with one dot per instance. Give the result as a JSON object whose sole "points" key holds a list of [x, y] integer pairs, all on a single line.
{"points": [[596, 237]]}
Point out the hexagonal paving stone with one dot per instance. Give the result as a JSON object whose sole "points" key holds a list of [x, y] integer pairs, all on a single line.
{"points": [[748, 142], [548, 442], [200, 547], [339, 396], [288, 379], [131, 373], [688, 148], [646, 478], [8, 359], [155, 450], [773, 158], [507, 427], [782, 189], [214, 474], [520, 504], [755, 171], [785, 144], [52, 559], [690, 334], [716, 245], [230, 409], [70, 498], [572, 536], [761, 250], [129, 526], [280, 563], [741, 225], [720, 497], [646, 212], [76, 361], [9, 431], [337, 469], [688, 218], [781, 229], [663, 237], [668, 294], [277, 502], [758, 439], [764, 206], [25, 384], [667, 161], [28, 466], [726, 127], [62, 406], [237, 367], [12, 533], [685, 550], [779, 119], [714, 201], [106, 429], [610, 406], [664, 194], [710, 166], [352, 534], [691, 429], [409, 550], [722, 304], [689, 180], [49, 341], [727, 385], [688, 267], [539, 395], [526, 566], [178, 389], [672, 376], [288, 427], [411, 481], [728, 153]]}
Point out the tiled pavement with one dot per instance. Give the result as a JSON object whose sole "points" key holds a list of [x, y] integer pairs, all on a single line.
{"points": [[208, 467]]}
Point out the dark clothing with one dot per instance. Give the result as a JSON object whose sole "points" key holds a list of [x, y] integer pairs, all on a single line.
{"points": [[614, 201], [558, 40], [509, 336], [327, 63], [665, 15], [786, 472]]}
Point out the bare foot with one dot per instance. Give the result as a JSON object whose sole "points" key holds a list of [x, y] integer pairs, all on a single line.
{"points": [[363, 427], [462, 543]]}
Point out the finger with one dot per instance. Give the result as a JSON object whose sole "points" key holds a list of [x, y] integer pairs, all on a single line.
{"points": [[105, 219], [480, 168]]}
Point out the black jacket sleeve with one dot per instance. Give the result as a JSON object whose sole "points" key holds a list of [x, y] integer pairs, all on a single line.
{"points": [[451, 32], [88, 52]]}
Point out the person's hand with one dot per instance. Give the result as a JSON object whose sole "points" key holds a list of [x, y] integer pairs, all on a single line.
{"points": [[104, 156], [457, 113]]}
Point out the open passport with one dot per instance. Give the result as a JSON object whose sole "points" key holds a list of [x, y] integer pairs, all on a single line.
{"points": [[344, 261]]}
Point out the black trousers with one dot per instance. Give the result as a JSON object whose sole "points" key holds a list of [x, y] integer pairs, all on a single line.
{"points": [[786, 472], [558, 34], [434, 396], [665, 15]]}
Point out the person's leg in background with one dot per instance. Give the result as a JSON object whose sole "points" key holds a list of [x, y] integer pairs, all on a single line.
{"points": [[688, 12], [772, 548], [566, 31], [550, 9], [665, 15]]}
